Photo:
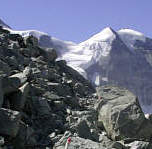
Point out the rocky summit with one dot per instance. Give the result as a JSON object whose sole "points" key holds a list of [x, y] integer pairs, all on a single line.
{"points": [[45, 104]]}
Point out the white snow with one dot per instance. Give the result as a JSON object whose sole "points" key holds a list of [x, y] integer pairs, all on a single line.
{"points": [[102, 36], [81, 56], [96, 78], [129, 37], [35, 33], [104, 79]]}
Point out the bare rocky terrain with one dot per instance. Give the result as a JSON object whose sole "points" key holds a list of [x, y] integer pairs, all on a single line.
{"points": [[43, 102]]}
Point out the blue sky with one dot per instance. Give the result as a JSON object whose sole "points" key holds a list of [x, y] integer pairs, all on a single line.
{"points": [[77, 20]]}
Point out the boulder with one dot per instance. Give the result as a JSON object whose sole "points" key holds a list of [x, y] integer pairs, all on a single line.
{"points": [[9, 124], [2, 141], [83, 130], [121, 115], [41, 106], [79, 143], [31, 41], [60, 89], [12, 83], [90, 116], [79, 89], [50, 54], [139, 145], [4, 68], [106, 142], [25, 137], [84, 122], [19, 98]]}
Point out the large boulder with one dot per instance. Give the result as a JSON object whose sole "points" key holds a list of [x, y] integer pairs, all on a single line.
{"points": [[19, 98], [4, 68], [25, 137], [31, 41], [12, 83], [49, 54], [81, 143], [9, 124], [41, 106], [139, 145], [77, 142], [121, 115], [84, 124]]}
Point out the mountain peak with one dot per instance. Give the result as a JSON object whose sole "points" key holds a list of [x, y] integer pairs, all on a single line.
{"points": [[105, 34], [102, 36]]}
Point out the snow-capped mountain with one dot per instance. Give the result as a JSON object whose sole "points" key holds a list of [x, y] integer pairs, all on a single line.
{"points": [[121, 57]]}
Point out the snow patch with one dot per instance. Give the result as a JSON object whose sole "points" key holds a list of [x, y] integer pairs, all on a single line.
{"points": [[35, 33], [96, 79], [129, 37], [102, 36]]}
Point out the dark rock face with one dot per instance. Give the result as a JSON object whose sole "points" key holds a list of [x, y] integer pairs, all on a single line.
{"points": [[9, 124], [35, 92]]}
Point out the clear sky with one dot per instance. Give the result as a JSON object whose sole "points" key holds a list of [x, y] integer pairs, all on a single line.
{"points": [[77, 20]]}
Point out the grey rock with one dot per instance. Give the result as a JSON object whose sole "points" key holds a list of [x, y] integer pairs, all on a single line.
{"points": [[83, 130], [12, 83], [25, 137], [84, 124], [60, 89], [31, 41], [80, 143], [51, 54], [90, 116], [41, 106], [9, 122], [2, 141], [19, 98], [139, 145], [121, 114], [106, 142], [4, 68]]}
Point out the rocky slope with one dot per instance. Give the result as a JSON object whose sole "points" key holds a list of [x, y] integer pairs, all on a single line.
{"points": [[35, 92], [123, 58], [46, 104]]}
